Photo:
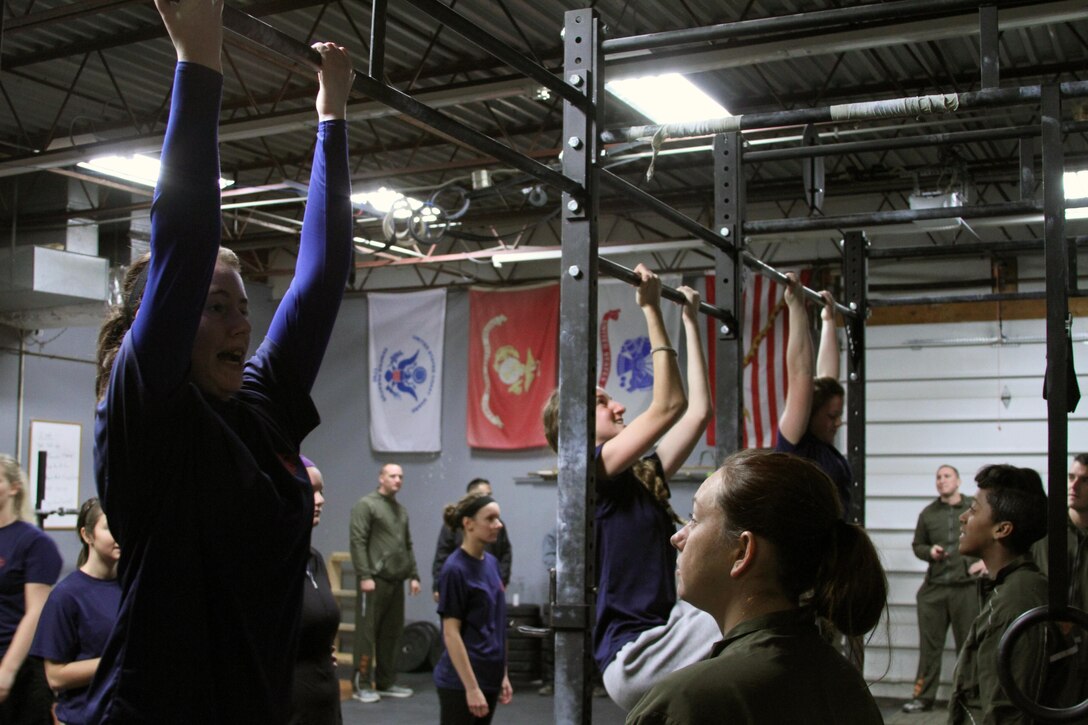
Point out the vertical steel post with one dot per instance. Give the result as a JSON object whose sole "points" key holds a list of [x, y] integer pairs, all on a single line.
{"points": [[572, 615], [729, 279], [855, 263], [988, 50], [376, 68], [1057, 344]]}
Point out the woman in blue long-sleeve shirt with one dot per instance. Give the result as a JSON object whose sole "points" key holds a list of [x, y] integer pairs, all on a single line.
{"points": [[196, 448]]}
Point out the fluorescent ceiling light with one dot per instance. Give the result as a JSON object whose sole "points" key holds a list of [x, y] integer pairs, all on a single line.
{"points": [[545, 253], [383, 199], [390, 248], [1076, 184], [137, 168], [668, 98]]}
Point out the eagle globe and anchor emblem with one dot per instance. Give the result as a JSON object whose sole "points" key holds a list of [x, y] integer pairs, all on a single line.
{"points": [[513, 372]]}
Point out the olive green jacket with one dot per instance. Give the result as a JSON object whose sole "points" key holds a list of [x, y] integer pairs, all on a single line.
{"points": [[939, 523], [381, 542], [772, 669], [1077, 551], [977, 694]]}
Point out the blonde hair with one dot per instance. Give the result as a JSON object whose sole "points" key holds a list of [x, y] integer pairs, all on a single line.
{"points": [[10, 469]]}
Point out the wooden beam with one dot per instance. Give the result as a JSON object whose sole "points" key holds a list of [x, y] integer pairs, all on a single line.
{"points": [[969, 312]]}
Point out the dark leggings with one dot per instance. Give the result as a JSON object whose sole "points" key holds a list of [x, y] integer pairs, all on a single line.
{"points": [[454, 708], [30, 701]]}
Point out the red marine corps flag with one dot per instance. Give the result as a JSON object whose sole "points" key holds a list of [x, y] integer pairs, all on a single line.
{"points": [[765, 330], [512, 361]]}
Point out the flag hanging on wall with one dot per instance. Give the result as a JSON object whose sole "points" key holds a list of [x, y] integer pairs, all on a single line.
{"points": [[512, 361], [406, 340], [625, 368], [765, 330]]}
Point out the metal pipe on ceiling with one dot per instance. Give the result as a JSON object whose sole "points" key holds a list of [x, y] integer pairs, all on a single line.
{"points": [[901, 216], [798, 22], [937, 103]]}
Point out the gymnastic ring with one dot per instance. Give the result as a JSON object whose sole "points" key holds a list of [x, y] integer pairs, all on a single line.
{"points": [[390, 226], [462, 201], [428, 232], [1004, 663]]}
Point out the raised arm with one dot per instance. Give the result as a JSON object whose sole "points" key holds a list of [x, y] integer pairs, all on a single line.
{"points": [[794, 421], [304, 319], [668, 402], [185, 219], [678, 443], [827, 358]]}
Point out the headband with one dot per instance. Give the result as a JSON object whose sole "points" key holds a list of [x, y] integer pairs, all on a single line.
{"points": [[473, 507]]}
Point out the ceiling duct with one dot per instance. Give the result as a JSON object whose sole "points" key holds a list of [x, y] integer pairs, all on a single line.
{"points": [[42, 287]]}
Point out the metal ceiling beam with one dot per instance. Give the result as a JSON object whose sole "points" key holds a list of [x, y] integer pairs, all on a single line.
{"points": [[740, 55], [63, 154], [1046, 13]]}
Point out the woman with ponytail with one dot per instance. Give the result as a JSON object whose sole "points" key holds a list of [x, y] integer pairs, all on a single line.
{"points": [[471, 675], [211, 601], [642, 631], [765, 553], [79, 615]]}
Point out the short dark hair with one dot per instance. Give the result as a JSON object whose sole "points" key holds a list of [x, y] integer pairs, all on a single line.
{"points": [[476, 482], [1015, 495], [823, 390], [1082, 459]]}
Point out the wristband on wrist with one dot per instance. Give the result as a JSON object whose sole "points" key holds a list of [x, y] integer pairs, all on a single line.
{"points": [[666, 348]]}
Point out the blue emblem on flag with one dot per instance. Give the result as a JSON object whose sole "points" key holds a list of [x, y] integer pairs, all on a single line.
{"points": [[635, 365], [404, 374]]}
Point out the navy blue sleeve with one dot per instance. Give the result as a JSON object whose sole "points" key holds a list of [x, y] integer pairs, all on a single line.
{"points": [[56, 637], [452, 592], [185, 232], [304, 319]]}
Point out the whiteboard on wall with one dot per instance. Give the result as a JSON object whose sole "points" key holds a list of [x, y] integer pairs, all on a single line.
{"points": [[60, 442]]}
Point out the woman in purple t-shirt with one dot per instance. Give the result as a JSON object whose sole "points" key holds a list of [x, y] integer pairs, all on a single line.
{"points": [[812, 414], [29, 567], [79, 615], [642, 631], [471, 675]]}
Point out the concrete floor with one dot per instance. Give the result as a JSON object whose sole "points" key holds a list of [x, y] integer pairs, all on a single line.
{"points": [[529, 708]]}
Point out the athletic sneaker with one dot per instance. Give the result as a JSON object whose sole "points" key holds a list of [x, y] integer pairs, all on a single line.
{"points": [[366, 696], [396, 691]]}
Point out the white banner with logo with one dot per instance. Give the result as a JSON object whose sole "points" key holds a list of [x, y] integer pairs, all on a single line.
{"points": [[625, 368], [406, 340]]}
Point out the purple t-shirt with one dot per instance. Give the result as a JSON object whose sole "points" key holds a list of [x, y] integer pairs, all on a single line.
{"points": [[75, 623], [828, 458], [471, 590], [27, 556], [636, 564]]}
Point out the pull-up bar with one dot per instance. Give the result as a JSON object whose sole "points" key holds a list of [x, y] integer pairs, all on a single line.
{"points": [[265, 35], [707, 235], [618, 271]]}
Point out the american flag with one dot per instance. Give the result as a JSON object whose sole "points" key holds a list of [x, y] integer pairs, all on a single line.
{"points": [[765, 330]]}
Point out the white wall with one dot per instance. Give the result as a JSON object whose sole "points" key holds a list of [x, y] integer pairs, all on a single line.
{"points": [[934, 396]]}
